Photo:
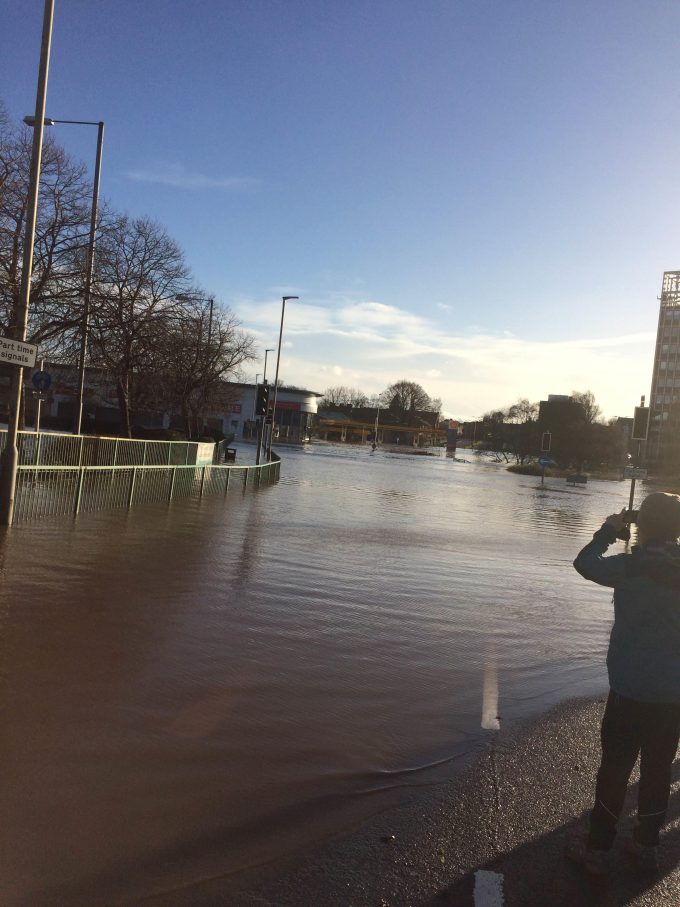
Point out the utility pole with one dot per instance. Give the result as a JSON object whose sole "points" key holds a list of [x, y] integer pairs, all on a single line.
{"points": [[85, 327], [284, 300], [10, 456]]}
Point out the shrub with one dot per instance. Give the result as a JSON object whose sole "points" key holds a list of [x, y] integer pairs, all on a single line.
{"points": [[529, 469]]}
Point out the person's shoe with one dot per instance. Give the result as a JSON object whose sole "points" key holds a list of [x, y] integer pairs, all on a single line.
{"points": [[595, 862], [646, 857]]}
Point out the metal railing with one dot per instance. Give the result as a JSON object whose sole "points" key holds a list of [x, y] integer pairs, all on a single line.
{"points": [[63, 490], [54, 449]]}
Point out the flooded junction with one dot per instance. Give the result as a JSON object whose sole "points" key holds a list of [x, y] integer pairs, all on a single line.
{"points": [[192, 690]]}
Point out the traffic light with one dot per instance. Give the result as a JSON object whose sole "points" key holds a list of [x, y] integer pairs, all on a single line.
{"points": [[640, 424], [262, 401], [546, 438]]}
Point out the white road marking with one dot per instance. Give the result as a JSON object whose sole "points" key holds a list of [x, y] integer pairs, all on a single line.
{"points": [[490, 720], [488, 889]]}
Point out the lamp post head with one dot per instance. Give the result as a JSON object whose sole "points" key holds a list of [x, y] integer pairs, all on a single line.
{"points": [[30, 121], [286, 298]]}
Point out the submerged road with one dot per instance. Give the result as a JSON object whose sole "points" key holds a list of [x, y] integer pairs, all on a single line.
{"points": [[492, 837]]}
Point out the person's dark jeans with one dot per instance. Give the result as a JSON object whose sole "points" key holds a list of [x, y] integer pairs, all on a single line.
{"points": [[631, 728]]}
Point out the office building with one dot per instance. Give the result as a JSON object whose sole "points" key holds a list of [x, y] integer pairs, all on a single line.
{"points": [[663, 445]]}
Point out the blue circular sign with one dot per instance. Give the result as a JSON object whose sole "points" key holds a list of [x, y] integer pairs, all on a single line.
{"points": [[41, 380], [544, 461]]}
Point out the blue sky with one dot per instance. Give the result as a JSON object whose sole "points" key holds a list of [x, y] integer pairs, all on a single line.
{"points": [[478, 196]]}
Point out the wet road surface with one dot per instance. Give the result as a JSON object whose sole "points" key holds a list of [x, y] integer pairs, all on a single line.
{"points": [[188, 692]]}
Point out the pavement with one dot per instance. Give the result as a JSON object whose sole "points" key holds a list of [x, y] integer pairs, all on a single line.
{"points": [[491, 836]]}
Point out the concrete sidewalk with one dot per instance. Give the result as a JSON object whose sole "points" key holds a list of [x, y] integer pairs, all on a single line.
{"points": [[492, 837]]}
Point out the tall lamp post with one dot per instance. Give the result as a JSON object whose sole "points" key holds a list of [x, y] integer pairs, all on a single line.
{"points": [[284, 300], [266, 353], [10, 456], [85, 323]]}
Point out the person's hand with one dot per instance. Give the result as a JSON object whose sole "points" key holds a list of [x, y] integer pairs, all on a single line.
{"points": [[617, 520]]}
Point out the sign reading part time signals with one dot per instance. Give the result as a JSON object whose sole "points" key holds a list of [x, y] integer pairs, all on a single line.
{"points": [[17, 352]]}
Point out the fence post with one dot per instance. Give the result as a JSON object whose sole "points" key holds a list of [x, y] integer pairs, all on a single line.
{"points": [[169, 453], [146, 444], [200, 494], [131, 491], [226, 484], [80, 452], [172, 483], [115, 451], [37, 449], [245, 476], [79, 492]]}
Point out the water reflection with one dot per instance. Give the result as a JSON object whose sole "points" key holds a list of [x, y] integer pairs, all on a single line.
{"points": [[191, 690], [490, 716]]}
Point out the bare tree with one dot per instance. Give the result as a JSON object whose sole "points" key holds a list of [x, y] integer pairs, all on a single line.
{"points": [[140, 275], [60, 241], [200, 347], [344, 396], [591, 410], [522, 411], [404, 397]]}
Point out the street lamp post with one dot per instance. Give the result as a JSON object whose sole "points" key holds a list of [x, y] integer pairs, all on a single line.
{"points": [[266, 353], [85, 322], [10, 456], [284, 300]]}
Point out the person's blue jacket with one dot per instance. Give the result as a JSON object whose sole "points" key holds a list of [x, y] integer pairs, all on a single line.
{"points": [[644, 648]]}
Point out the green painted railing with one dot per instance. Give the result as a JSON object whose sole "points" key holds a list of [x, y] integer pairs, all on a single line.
{"points": [[62, 490], [61, 449]]}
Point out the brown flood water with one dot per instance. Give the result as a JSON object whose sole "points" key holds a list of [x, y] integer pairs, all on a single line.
{"points": [[192, 690]]}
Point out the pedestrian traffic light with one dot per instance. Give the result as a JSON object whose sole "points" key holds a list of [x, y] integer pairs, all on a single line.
{"points": [[640, 424], [546, 438], [262, 400]]}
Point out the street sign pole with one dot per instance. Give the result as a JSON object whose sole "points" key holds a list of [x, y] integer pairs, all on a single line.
{"points": [[639, 434], [546, 442], [39, 403]]}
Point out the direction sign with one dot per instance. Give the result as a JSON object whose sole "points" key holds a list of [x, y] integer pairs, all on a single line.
{"points": [[544, 461], [17, 352], [42, 380], [634, 472]]}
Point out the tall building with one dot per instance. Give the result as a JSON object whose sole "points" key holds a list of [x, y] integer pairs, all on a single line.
{"points": [[663, 445]]}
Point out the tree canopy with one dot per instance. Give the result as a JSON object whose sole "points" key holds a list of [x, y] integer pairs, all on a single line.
{"points": [[150, 328]]}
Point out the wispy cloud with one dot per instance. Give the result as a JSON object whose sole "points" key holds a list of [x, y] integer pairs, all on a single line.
{"points": [[177, 175], [473, 370]]}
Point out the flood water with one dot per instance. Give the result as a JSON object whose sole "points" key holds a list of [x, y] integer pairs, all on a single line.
{"points": [[190, 690]]}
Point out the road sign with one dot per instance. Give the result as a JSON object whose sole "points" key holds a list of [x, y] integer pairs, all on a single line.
{"points": [[42, 380], [634, 472], [544, 461], [546, 441], [17, 352]]}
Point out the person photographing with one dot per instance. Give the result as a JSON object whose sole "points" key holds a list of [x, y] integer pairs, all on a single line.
{"points": [[642, 714]]}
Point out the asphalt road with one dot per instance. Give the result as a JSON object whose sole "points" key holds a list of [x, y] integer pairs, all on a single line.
{"points": [[493, 836]]}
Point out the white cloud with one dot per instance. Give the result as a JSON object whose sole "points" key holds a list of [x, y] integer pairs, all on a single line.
{"points": [[474, 370], [175, 174]]}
